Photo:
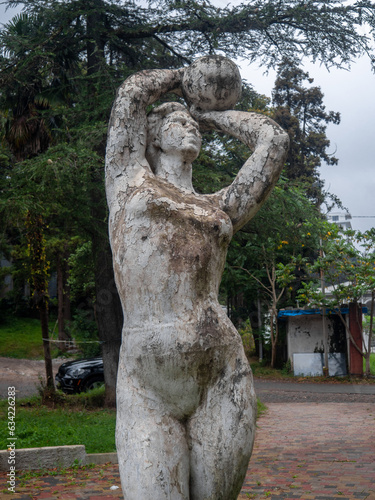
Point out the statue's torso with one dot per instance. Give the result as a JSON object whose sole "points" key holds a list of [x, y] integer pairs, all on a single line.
{"points": [[169, 253], [169, 250]]}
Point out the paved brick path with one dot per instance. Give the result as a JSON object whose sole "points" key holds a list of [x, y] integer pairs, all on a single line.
{"points": [[313, 451], [321, 451]]}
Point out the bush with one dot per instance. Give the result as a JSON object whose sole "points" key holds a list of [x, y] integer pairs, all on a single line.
{"points": [[85, 333], [16, 305], [247, 338]]}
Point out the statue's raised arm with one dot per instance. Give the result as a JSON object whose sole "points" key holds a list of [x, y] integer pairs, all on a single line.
{"points": [[212, 86], [254, 182], [127, 132]]}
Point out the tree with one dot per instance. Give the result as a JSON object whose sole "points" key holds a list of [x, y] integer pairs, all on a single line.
{"points": [[331, 31], [39, 276], [57, 186], [260, 250], [272, 250], [348, 264], [37, 92], [301, 112], [122, 33]]}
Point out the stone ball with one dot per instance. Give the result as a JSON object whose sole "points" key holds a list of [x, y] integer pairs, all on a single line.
{"points": [[212, 83]]}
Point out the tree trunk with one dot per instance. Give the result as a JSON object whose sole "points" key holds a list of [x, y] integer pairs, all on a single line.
{"points": [[43, 312], [108, 315], [274, 336], [63, 298], [39, 274], [273, 343], [255, 318]]}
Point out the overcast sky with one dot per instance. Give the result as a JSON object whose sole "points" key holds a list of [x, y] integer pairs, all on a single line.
{"points": [[352, 93]]}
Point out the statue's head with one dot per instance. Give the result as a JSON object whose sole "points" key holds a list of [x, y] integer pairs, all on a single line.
{"points": [[171, 130]]}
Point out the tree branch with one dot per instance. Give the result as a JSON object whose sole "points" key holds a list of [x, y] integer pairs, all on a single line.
{"points": [[256, 279], [162, 42]]}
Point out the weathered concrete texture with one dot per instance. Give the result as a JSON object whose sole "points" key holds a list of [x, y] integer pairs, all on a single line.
{"points": [[46, 457], [185, 399], [52, 456], [212, 83]]}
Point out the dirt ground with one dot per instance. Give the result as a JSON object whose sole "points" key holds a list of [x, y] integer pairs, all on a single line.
{"points": [[24, 375]]}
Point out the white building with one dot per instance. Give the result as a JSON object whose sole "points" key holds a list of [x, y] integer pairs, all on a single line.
{"points": [[341, 219]]}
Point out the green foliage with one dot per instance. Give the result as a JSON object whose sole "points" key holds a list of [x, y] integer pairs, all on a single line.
{"points": [[39, 266], [56, 182], [287, 368], [266, 258], [81, 273], [60, 65], [222, 156], [171, 31], [247, 338], [348, 264], [14, 303], [282, 234], [261, 408], [78, 421], [62, 185], [263, 370], [372, 364]]}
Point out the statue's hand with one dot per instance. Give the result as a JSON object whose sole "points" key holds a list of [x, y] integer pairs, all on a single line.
{"points": [[204, 118], [177, 90]]}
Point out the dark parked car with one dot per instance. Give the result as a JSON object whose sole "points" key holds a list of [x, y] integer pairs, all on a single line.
{"points": [[81, 375]]}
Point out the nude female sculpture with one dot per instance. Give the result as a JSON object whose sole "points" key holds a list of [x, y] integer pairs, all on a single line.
{"points": [[185, 401]]}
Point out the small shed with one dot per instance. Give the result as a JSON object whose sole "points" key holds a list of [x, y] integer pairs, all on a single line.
{"points": [[305, 342]]}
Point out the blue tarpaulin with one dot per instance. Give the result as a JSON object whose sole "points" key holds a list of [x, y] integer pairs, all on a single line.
{"points": [[303, 312]]}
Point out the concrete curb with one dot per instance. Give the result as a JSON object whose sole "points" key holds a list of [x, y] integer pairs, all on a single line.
{"points": [[101, 458], [51, 457]]}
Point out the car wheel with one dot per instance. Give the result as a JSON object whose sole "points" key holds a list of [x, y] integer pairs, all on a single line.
{"points": [[93, 383]]}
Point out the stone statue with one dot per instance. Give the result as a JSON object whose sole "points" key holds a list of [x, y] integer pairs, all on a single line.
{"points": [[186, 406]]}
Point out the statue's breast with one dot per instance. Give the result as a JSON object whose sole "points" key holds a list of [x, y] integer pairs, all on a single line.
{"points": [[175, 243], [163, 206]]}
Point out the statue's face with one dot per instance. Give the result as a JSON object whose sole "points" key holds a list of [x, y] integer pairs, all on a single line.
{"points": [[180, 132]]}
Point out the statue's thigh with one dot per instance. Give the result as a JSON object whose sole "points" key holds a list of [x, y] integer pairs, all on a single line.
{"points": [[152, 450], [221, 436]]}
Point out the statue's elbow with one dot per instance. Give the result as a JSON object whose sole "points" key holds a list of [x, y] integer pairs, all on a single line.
{"points": [[281, 145], [283, 140]]}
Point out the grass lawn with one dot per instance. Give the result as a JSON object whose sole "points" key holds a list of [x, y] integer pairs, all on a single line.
{"points": [[71, 423], [22, 338]]}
